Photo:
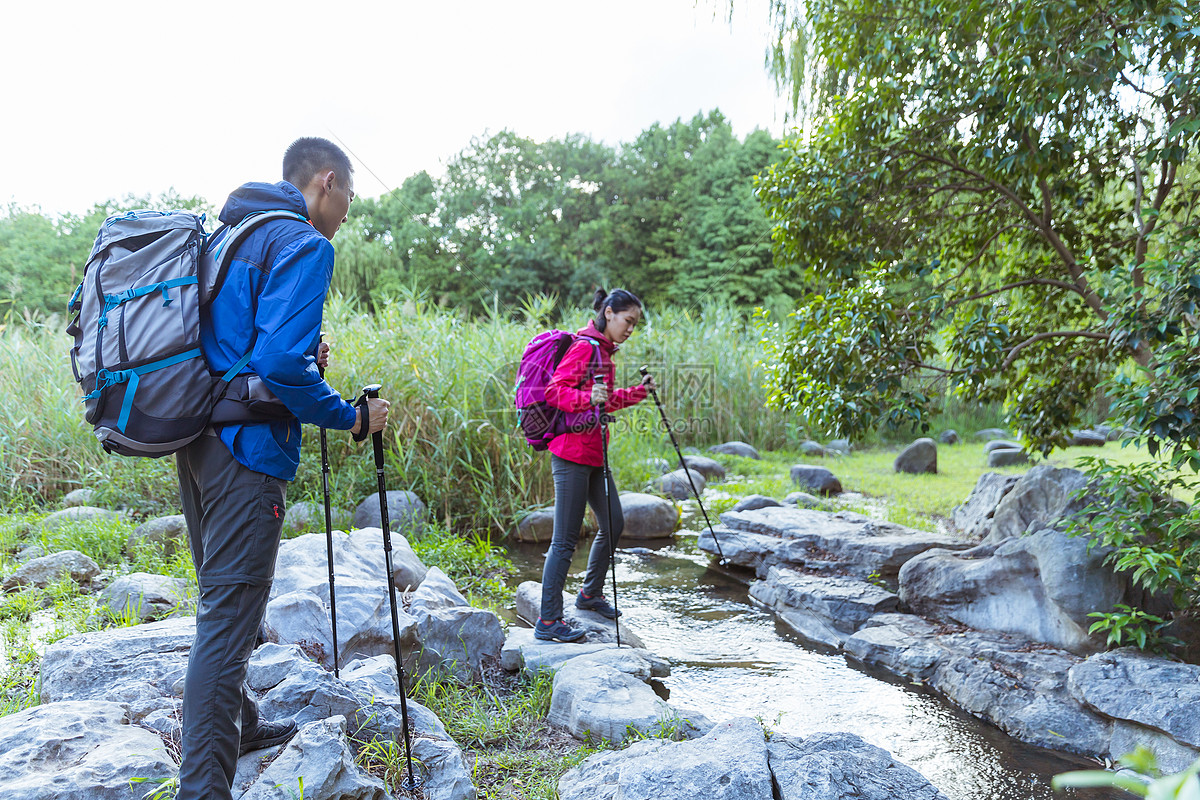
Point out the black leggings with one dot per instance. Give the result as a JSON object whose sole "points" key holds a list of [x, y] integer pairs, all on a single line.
{"points": [[574, 486]]}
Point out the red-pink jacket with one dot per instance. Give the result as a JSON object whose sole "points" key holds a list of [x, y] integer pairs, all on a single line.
{"points": [[574, 371]]}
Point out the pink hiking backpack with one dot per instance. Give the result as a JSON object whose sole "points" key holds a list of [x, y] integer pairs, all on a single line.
{"points": [[540, 421]]}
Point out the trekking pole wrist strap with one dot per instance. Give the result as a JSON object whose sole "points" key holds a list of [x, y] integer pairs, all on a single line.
{"points": [[365, 419]]}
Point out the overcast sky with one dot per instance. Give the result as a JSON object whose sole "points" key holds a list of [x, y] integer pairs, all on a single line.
{"points": [[103, 100]]}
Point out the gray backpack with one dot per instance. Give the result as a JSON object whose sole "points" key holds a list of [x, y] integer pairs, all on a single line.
{"points": [[148, 390]]}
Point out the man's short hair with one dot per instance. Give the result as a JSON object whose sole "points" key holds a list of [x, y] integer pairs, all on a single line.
{"points": [[307, 156]]}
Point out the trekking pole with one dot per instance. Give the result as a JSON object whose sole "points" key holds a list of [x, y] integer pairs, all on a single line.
{"points": [[329, 534], [723, 561], [612, 540], [370, 392]]}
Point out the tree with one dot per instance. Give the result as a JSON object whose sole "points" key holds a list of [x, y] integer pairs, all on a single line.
{"points": [[993, 196]]}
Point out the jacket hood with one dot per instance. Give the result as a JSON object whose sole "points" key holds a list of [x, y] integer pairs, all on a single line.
{"points": [[250, 198], [590, 331]]}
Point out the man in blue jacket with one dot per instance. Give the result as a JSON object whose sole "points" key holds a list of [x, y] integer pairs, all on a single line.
{"points": [[233, 480]]}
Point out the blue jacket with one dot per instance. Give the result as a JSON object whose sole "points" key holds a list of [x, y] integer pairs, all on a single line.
{"points": [[272, 297]]}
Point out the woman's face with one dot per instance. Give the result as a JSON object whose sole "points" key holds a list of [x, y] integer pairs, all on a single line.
{"points": [[620, 324]]}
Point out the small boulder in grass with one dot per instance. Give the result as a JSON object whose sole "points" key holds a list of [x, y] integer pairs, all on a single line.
{"points": [[840, 446], [802, 500], [710, 468], [755, 501], [1007, 457], [736, 449], [816, 479], [918, 458], [79, 497], [949, 436], [676, 484]]}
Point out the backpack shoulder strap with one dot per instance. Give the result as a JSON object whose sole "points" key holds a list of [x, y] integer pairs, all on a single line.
{"points": [[225, 249]]}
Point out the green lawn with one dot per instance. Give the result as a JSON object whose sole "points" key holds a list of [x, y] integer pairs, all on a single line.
{"points": [[919, 501]]}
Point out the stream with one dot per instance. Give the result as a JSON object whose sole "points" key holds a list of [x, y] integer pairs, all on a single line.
{"points": [[730, 657]]}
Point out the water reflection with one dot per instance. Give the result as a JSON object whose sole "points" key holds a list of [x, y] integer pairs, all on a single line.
{"points": [[731, 658]]}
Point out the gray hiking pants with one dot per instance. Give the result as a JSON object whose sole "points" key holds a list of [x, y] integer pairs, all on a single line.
{"points": [[574, 486], [234, 517]]}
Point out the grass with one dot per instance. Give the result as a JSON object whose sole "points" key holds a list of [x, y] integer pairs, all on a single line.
{"points": [[917, 501], [502, 729]]}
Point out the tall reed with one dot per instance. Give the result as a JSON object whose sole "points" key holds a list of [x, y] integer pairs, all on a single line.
{"points": [[453, 439]]}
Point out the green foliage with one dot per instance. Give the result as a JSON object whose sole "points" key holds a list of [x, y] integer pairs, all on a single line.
{"points": [[1147, 779], [453, 438], [1126, 625], [1152, 536], [42, 259], [476, 566], [982, 199], [671, 215]]}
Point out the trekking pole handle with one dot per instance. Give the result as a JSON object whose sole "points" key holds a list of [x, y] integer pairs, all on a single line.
{"points": [[320, 369], [369, 392]]}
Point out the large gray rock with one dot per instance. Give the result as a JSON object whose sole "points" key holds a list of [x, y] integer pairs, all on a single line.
{"points": [[918, 458], [676, 484], [825, 609], [819, 540], [987, 434], [974, 517], [1041, 496], [841, 766], [710, 468], [453, 635], [168, 534], [1001, 444], [729, 763], [367, 696], [735, 449], [817, 480], [604, 696], [996, 677], [523, 652], [1144, 690], [528, 600], [49, 569], [733, 761], [141, 666], [1041, 586], [142, 596], [360, 585], [406, 512], [76, 515], [317, 763], [309, 517], [648, 516], [1006, 457], [79, 751]]}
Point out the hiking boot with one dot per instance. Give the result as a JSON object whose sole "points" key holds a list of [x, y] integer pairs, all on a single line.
{"points": [[599, 604], [268, 734], [556, 630]]}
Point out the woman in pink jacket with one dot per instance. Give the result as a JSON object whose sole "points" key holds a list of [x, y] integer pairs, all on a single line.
{"points": [[577, 461]]}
